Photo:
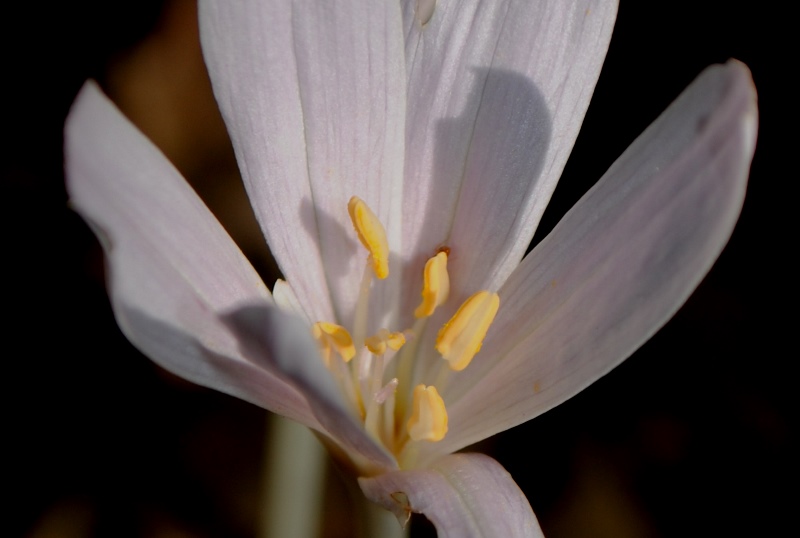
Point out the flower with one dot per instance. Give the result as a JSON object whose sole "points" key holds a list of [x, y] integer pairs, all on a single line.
{"points": [[427, 138]]}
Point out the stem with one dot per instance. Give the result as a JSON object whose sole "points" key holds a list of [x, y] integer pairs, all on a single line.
{"points": [[294, 480]]}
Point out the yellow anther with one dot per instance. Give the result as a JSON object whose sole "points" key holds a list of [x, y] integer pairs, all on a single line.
{"points": [[332, 337], [378, 343], [436, 286], [371, 234], [429, 417], [461, 338]]}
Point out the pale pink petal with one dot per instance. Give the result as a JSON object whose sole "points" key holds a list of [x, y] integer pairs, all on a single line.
{"points": [[313, 94], [172, 269], [618, 265], [464, 496], [284, 296], [284, 343], [497, 93]]}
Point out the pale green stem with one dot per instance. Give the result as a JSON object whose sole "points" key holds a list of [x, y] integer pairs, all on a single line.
{"points": [[294, 481]]}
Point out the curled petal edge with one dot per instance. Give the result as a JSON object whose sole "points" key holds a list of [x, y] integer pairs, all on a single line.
{"points": [[463, 495]]}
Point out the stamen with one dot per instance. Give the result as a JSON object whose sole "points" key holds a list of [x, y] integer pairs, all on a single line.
{"points": [[374, 415], [378, 343], [371, 234], [332, 337], [461, 338], [436, 286], [373, 378], [361, 316], [388, 430], [386, 391], [429, 417]]}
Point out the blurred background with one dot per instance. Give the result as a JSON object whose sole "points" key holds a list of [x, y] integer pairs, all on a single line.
{"points": [[691, 436]]}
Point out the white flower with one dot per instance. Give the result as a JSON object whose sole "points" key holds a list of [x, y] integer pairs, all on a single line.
{"points": [[451, 123]]}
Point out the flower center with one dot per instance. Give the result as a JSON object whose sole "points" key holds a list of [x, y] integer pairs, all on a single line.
{"points": [[378, 383]]}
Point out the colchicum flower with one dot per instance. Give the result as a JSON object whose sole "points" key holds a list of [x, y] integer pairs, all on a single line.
{"points": [[399, 156]]}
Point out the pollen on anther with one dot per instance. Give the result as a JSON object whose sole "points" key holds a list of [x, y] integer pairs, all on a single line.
{"points": [[332, 337], [460, 339], [378, 343], [371, 234], [428, 420], [436, 285]]}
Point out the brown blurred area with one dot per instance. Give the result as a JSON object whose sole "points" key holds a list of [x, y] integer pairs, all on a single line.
{"points": [[693, 436]]}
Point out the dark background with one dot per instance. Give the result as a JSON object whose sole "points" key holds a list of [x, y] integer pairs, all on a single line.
{"points": [[691, 436]]}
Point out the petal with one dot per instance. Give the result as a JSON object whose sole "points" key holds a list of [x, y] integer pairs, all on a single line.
{"points": [[619, 264], [313, 95], [497, 93], [283, 342], [284, 297], [172, 269], [464, 495]]}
